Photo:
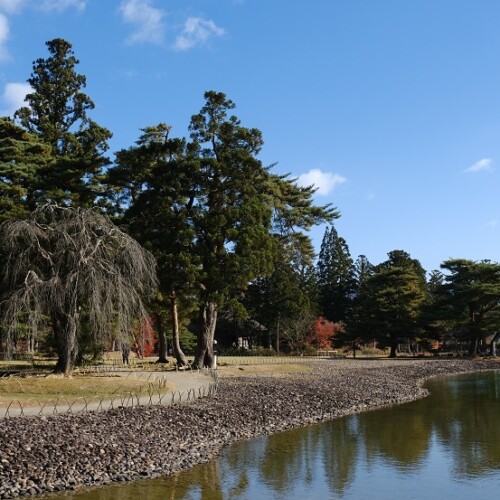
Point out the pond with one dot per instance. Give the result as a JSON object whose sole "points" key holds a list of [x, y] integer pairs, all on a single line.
{"points": [[446, 446]]}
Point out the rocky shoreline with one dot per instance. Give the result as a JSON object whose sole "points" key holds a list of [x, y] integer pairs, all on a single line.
{"points": [[40, 455]]}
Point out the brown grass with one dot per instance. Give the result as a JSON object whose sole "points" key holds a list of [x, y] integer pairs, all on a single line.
{"points": [[36, 390]]}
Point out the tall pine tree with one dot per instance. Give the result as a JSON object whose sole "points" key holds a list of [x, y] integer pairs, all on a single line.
{"points": [[154, 191], [57, 113], [217, 211], [336, 278]]}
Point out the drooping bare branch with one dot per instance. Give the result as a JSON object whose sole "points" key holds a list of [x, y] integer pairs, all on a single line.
{"points": [[62, 264]]}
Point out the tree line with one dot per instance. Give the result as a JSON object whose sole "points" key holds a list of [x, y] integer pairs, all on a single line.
{"points": [[394, 303], [205, 207], [193, 231]]}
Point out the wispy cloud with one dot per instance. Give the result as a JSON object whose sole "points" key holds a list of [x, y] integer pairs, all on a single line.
{"points": [[13, 97], [11, 6], [148, 21], [324, 182], [483, 165], [492, 223], [60, 5], [4, 35], [197, 32]]}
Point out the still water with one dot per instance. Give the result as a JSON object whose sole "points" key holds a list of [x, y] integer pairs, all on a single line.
{"points": [[446, 446]]}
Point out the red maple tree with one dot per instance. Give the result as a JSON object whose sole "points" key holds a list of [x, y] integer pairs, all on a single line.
{"points": [[145, 339], [322, 333]]}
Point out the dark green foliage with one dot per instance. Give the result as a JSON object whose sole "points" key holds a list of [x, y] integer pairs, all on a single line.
{"points": [[435, 318], [241, 210], [187, 340], [57, 114], [210, 211], [389, 303], [351, 335], [468, 296], [363, 269], [286, 294], [232, 217], [336, 277], [24, 160], [153, 187]]}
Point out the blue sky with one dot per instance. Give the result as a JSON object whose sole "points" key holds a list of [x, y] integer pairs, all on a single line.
{"points": [[390, 107]]}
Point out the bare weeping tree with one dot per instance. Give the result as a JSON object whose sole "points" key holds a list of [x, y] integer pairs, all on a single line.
{"points": [[65, 266]]}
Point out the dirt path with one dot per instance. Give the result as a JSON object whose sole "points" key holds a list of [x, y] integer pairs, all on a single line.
{"points": [[182, 386]]}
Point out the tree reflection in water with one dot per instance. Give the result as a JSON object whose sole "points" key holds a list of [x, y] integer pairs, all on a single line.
{"points": [[458, 424]]}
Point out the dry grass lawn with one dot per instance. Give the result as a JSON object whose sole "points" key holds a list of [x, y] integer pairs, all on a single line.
{"points": [[37, 390]]}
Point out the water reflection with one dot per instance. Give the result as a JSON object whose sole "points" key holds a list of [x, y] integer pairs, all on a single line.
{"points": [[445, 442]]}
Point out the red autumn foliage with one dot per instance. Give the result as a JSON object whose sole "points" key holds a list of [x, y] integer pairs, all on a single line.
{"points": [[145, 338], [322, 333]]}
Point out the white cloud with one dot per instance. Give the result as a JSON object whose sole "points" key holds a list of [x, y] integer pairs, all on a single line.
{"points": [[13, 97], [4, 35], [60, 5], [197, 31], [11, 6], [146, 18], [324, 182], [16, 6], [483, 165], [492, 223]]}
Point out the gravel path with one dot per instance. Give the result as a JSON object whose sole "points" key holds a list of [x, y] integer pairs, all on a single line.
{"points": [[46, 454]]}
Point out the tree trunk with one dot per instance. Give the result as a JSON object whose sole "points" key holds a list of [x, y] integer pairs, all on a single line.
{"points": [[64, 328], [493, 345], [180, 358], [278, 335], [162, 346], [162, 340], [473, 346], [394, 349], [354, 350], [205, 348]]}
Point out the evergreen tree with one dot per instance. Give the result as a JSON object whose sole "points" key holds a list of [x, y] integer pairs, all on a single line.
{"points": [[470, 299], [155, 194], [287, 294], [363, 269], [336, 277], [57, 114], [350, 334], [214, 213], [239, 207], [390, 302], [400, 258]]}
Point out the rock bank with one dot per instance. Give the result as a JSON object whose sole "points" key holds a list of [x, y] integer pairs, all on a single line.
{"points": [[48, 454]]}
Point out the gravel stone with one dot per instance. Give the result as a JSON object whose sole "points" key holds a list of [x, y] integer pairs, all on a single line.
{"points": [[39, 455]]}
